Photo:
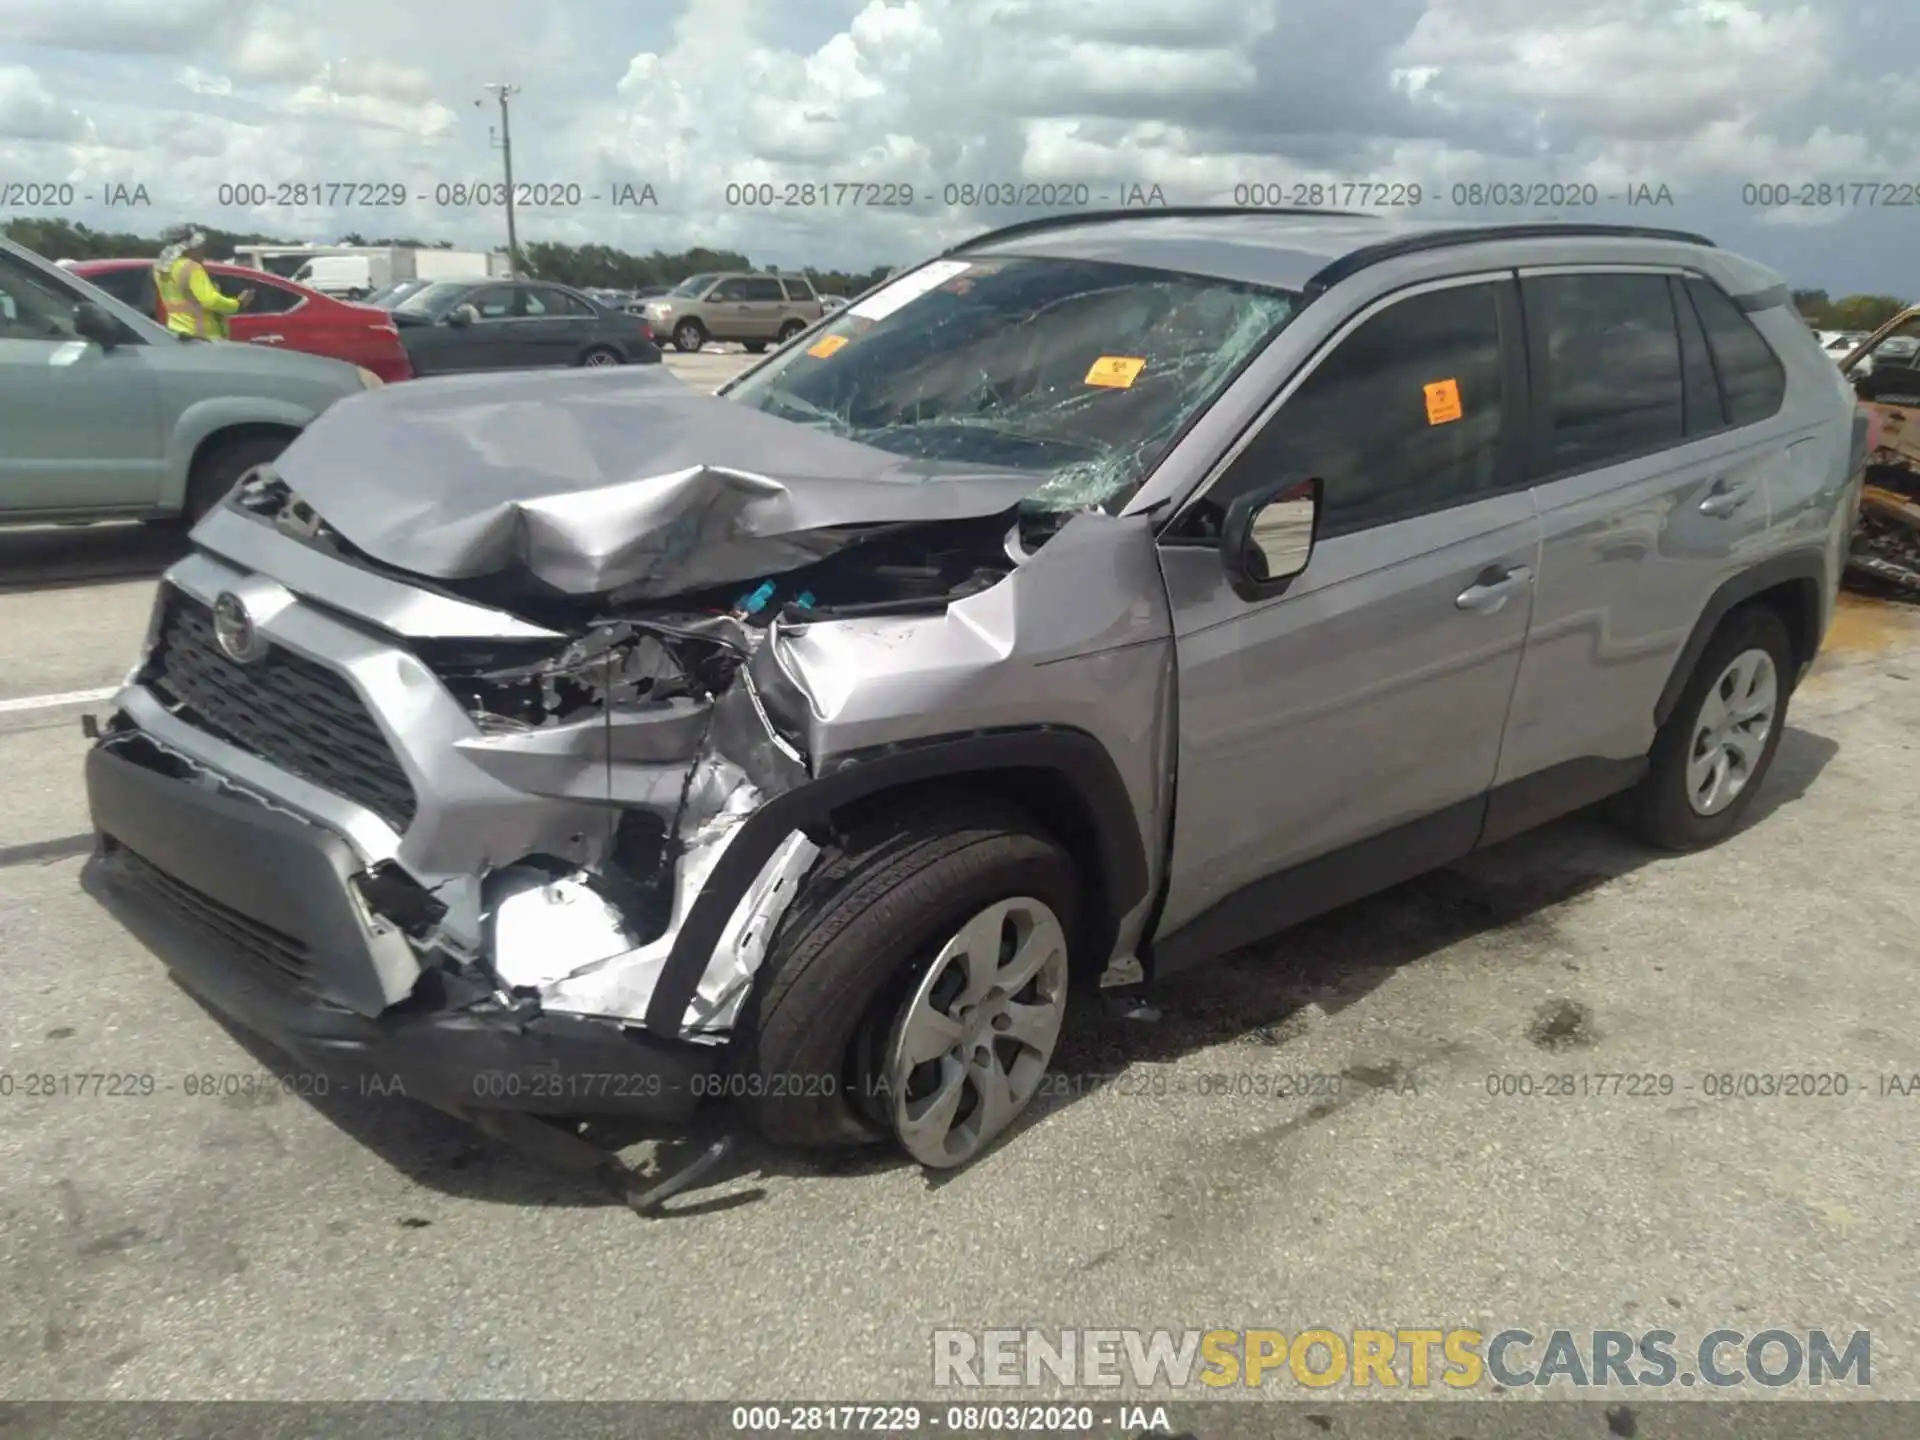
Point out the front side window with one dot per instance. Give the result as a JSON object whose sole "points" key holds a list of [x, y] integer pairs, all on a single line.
{"points": [[1751, 375], [1402, 418], [33, 305], [268, 298], [692, 287], [1081, 372], [1613, 373], [432, 301], [494, 303], [730, 291]]}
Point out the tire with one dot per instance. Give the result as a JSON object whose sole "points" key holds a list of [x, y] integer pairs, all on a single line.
{"points": [[689, 336], [755, 347], [219, 467], [599, 357], [791, 329], [856, 952], [1662, 809]]}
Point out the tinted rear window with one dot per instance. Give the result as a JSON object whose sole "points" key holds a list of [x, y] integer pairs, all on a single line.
{"points": [[1612, 356]]}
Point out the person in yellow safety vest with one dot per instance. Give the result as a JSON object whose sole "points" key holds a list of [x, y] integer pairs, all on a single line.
{"points": [[193, 304]]}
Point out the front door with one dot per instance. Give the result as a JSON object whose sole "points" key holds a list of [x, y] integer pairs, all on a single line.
{"points": [[79, 425], [729, 310], [1365, 703]]}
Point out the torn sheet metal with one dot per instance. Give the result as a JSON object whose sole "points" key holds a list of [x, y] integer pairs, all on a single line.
{"points": [[636, 482]]}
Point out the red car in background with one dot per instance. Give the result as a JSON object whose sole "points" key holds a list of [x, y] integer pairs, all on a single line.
{"points": [[283, 314]]}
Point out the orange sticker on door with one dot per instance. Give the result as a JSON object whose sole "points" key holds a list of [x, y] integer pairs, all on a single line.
{"points": [[826, 345], [1443, 402], [1115, 372]]}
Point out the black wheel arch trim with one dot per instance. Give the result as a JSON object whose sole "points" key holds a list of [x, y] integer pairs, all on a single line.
{"points": [[1807, 566], [1074, 754]]}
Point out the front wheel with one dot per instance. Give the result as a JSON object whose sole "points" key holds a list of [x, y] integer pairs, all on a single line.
{"points": [[1710, 757], [916, 989], [689, 336], [223, 465]]}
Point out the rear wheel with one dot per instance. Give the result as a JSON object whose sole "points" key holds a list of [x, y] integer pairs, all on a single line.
{"points": [[599, 357], [917, 987], [755, 347], [688, 336], [791, 329], [1709, 759]]}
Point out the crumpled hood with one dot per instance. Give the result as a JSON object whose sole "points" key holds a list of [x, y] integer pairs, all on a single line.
{"points": [[623, 479]]}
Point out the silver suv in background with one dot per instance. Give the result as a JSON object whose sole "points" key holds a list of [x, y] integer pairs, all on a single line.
{"points": [[105, 415], [1106, 594], [756, 310]]}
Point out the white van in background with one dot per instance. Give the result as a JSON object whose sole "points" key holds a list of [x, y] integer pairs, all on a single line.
{"points": [[345, 277]]}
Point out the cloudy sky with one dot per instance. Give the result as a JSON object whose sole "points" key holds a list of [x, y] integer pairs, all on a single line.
{"points": [[1704, 97]]}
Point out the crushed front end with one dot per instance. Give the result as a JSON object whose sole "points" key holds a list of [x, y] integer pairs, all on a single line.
{"points": [[392, 828]]}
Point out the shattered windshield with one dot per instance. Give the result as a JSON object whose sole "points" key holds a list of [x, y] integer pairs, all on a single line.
{"points": [[1081, 371]]}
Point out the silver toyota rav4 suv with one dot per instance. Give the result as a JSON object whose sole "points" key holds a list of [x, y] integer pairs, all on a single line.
{"points": [[1105, 594]]}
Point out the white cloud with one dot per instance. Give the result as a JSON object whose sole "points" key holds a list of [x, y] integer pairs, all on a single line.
{"points": [[1191, 95], [28, 110]]}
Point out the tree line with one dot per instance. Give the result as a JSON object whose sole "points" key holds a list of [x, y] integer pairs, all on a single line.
{"points": [[584, 266], [1849, 312]]}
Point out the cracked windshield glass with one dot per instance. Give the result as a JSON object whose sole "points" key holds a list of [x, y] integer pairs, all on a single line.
{"points": [[1079, 371]]}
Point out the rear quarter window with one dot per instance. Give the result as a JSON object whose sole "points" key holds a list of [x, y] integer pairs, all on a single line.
{"points": [[1751, 375]]}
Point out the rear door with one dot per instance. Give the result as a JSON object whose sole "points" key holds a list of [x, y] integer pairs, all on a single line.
{"points": [[1355, 720], [1651, 491], [558, 326], [767, 309], [802, 304]]}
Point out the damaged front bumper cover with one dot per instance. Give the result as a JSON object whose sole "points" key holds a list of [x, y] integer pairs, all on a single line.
{"points": [[243, 903]]}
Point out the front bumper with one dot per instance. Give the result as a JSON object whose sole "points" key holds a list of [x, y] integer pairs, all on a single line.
{"points": [[253, 910]]}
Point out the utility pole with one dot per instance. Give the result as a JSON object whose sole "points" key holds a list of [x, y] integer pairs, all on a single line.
{"points": [[504, 139]]}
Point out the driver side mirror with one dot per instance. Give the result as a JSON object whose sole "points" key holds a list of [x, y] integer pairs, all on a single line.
{"points": [[1268, 535], [90, 322]]}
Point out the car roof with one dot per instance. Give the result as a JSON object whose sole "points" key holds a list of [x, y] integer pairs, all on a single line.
{"points": [[1310, 250]]}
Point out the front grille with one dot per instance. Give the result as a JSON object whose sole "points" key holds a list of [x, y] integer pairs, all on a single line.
{"points": [[281, 957], [302, 717]]}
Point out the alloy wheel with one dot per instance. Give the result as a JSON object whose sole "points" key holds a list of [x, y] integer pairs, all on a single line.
{"points": [[1730, 733], [970, 1046]]}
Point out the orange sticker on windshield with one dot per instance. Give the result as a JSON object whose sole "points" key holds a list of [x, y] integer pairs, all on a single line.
{"points": [[1115, 372], [826, 345], [1443, 402]]}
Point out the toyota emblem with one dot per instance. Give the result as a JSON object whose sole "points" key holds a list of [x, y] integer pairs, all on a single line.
{"points": [[233, 628]]}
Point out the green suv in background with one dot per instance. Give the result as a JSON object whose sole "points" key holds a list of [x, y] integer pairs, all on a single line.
{"points": [[108, 416], [756, 310]]}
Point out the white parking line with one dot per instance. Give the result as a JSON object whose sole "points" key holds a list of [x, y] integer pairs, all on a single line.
{"points": [[54, 702]]}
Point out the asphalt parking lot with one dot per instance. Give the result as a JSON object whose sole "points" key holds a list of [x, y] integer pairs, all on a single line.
{"points": [[257, 1245]]}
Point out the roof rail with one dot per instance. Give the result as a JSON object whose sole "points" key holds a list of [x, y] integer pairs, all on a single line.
{"points": [[1351, 264], [1085, 217]]}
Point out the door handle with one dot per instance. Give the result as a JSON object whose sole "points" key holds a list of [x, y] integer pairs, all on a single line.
{"points": [[1725, 500], [1493, 589], [268, 339]]}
